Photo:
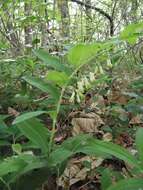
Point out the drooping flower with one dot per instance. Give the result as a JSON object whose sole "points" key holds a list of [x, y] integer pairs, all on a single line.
{"points": [[80, 85], [86, 82], [91, 77], [109, 64], [77, 98], [101, 70], [96, 70], [72, 97]]}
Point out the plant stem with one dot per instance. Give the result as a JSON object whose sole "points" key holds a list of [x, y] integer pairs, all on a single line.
{"points": [[58, 109], [59, 104], [55, 119]]}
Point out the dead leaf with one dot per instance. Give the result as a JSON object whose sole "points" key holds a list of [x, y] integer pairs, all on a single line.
{"points": [[60, 137], [87, 123], [107, 137], [125, 140], [13, 112], [118, 97], [136, 120], [76, 171]]}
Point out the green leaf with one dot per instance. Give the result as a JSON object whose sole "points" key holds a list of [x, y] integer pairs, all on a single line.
{"points": [[2, 123], [59, 78], [139, 143], [58, 156], [19, 165], [106, 179], [128, 184], [34, 180], [51, 61], [29, 145], [90, 146], [27, 116], [67, 149], [43, 86], [10, 165], [82, 53], [35, 132], [98, 147], [132, 32], [17, 148], [35, 164]]}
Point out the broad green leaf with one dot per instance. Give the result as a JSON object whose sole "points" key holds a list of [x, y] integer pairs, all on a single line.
{"points": [[27, 116], [17, 148], [132, 32], [57, 77], [29, 145], [10, 165], [35, 164], [95, 146], [32, 162], [128, 184], [67, 149], [51, 61], [34, 180], [43, 86], [90, 146], [19, 165], [139, 143], [58, 156], [2, 123], [106, 179], [75, 143], [35, 132], [82, 53]]}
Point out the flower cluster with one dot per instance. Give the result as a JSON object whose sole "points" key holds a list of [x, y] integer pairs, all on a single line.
{"points": [[84, 84]]}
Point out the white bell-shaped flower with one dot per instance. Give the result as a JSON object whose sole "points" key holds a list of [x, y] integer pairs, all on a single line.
{"points": [[91, 77]]}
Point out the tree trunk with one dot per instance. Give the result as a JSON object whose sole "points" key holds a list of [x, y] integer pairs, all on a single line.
{"points": [[64, 11], [28, 29], [44, 28], [16, 46], [134, 10], [88, 21]]}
